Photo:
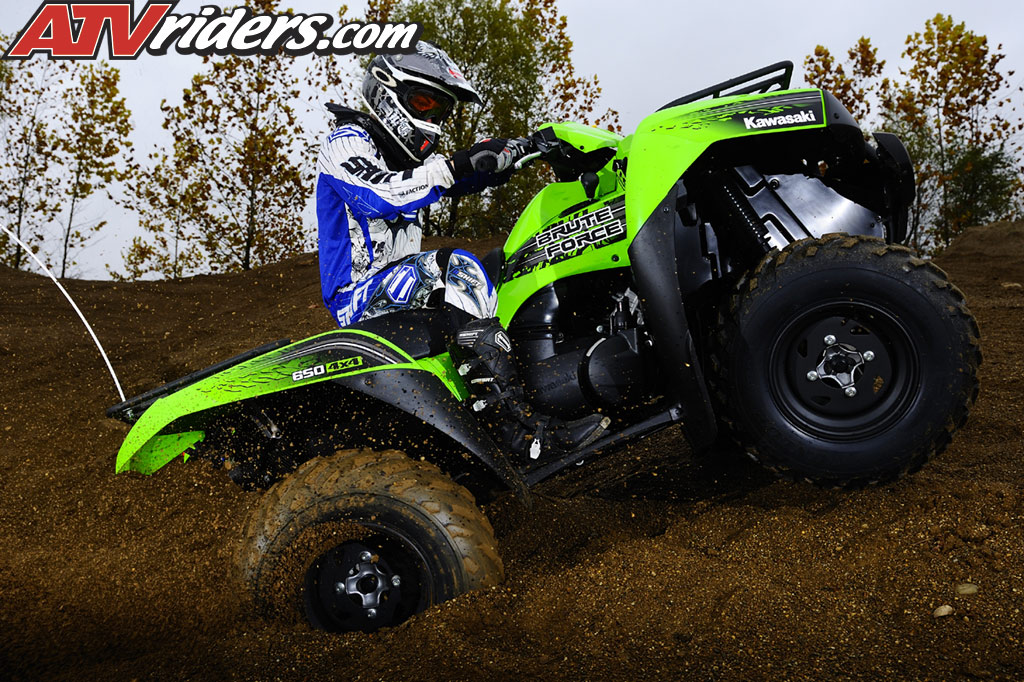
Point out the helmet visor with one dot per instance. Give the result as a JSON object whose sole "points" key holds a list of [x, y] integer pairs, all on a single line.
{"points": [[428, 105]]}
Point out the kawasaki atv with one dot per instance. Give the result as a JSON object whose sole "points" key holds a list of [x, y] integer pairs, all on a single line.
{"points": [[732, 266]]}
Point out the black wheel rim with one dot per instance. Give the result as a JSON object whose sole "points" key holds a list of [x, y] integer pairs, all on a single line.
{"points": [[363, 585], [846, 344]]}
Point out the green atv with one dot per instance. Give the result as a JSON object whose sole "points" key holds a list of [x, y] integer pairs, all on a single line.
{"points": [[732, 266]]}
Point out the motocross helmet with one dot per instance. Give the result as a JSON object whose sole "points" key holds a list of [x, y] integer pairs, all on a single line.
{"points": [[412, 94]]}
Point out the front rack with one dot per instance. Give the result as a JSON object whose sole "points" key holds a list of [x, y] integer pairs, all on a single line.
{"points": [[779, 74]]}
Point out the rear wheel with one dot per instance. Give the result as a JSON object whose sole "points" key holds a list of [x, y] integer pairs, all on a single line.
{"points": [[363, 540], [845, 361]]}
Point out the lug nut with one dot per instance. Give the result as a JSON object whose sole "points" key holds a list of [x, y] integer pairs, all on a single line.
{"points": [[371, 613], [868, 356], [850, 392], [339, 588], [812, 376], [396, 580], [365, 556], [830, 340]]}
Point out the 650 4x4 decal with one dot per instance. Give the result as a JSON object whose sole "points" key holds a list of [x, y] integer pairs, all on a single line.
{"points": [[327, 368], [589, 229]]}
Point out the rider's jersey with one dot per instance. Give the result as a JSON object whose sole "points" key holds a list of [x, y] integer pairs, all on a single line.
{"points": [[367, 213]]}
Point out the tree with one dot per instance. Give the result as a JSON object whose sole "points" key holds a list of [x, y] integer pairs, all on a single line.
{"points": [[518, 56], [951, 107], [239, 137], [6, 77], [853, 89], [332, 75], [162, 195], [239, 155], [954, 89], [29, 199], [91, 146], [977, 188]]}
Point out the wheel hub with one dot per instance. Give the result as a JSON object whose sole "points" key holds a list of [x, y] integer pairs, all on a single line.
{"points": [[366, 583], [841, 365], [843, 369], [358, 586]]}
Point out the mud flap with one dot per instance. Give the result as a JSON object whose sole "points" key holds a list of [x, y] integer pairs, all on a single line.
{"points": [[653, 258]]}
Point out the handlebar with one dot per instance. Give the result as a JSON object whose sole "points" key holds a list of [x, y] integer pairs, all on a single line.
{"points": [[487, 164], [529, 158]]}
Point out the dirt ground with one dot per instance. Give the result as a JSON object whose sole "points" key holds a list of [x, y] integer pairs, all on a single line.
{"points": [[672, 569]]}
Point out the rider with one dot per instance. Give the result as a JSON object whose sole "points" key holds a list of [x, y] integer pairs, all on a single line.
{"points": [[376, 171]]}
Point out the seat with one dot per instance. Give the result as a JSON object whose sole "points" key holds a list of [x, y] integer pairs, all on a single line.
{"points": [[420, 332]]}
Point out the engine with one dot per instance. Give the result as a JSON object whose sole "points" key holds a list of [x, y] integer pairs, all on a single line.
{"points": [[578, 357]]}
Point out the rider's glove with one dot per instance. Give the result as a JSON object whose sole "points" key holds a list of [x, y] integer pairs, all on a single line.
{"points": [[495, 155]]}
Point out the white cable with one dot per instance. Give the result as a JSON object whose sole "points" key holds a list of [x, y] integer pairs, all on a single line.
{"points": [[68, 296]]}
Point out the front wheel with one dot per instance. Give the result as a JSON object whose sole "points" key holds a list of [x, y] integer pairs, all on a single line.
{"points": [[363, 540], [845, 361]]}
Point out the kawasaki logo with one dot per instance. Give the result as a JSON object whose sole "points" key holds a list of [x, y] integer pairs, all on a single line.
{"points": [[754, 123]]}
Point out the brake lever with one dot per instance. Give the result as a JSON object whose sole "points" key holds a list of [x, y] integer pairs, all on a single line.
{"points": [[518, 165]]}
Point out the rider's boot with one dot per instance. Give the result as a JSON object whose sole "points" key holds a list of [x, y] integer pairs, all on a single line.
{"points": [[493, 376]]}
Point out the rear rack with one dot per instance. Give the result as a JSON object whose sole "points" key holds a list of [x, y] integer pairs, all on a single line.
{"points": [[746, 84], [130, 410]]}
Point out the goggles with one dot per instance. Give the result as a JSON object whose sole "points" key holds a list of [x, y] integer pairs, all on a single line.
{"points": [[428, 105]]}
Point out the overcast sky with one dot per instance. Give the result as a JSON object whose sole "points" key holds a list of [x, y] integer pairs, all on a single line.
{"points": [[645, 54]]}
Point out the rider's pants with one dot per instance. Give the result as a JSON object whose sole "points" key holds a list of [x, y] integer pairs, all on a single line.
{"points": [[422, 280]]}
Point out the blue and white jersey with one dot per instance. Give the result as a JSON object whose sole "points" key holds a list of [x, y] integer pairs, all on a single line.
{"points": [[366, 213]]}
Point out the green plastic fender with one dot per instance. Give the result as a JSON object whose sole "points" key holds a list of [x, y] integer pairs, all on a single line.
{"points": [[332, 355], [668, 142], [584, 138]]}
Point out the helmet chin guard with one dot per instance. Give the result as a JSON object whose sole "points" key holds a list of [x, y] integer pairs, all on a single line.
{"points": [[411, 95]]}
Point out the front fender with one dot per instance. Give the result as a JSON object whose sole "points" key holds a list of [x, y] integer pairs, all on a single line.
{"points": [[655, 272], [429, 389]]}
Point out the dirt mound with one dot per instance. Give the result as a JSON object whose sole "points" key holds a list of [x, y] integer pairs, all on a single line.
{"points": [[672, 569]]}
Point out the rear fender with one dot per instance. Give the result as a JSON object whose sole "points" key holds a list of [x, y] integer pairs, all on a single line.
{"points": [[668, 142], [319, 358]]}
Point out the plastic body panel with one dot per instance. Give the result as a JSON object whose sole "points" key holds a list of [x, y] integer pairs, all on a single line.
{"points": [[663, 147], [313, 360], [584, 138], [602, 219], [668, 142]]}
